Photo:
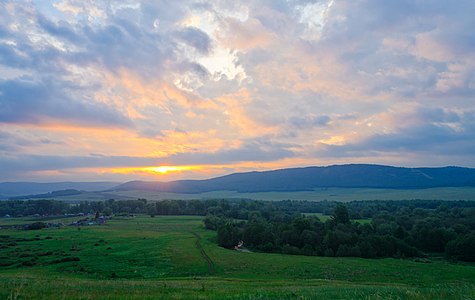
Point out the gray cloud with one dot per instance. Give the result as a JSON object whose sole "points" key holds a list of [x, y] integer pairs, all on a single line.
{"points": [[22, 163], [438, 133], [400, 48], [253, 150], [126, 38], [307, 122], [23, 101], [438, 114], [196, 38]]}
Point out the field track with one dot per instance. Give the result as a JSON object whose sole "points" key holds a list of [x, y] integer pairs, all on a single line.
{"points": [[205, 256]]}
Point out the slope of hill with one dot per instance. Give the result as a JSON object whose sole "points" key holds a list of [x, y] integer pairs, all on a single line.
{"points": [[12, 189], [301, 179], [50, 195]]}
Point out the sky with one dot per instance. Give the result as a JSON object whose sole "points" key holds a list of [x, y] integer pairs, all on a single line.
{"points": [[165, 90]]}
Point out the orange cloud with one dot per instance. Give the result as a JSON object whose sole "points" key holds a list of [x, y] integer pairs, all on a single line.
{"points": [[245, 35], [194, 141], [235, 109], [140, 93]]}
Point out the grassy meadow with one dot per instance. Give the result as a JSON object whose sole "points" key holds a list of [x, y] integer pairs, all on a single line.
{"points": [[174, 257], [319, 194], [331, 194]]}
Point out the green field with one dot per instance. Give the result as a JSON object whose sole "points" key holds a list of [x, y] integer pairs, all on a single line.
{"points": [[331, 194], [176, 258]]}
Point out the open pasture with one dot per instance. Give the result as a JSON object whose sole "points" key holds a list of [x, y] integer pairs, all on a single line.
{"points": [[174, 257], [319, 194]]}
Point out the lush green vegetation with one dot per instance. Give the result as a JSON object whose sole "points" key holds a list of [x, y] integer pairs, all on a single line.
{"points": [[398, 228], [147, 257]]}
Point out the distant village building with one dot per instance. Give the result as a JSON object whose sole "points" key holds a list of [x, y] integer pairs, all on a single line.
{"points": [[102, 220]]}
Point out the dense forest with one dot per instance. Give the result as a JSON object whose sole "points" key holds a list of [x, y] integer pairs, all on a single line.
{"points": [[412, 228], [397, 229]]}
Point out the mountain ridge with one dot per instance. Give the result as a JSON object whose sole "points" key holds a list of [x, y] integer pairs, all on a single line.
{"points": [[280, 180], [13, 189], [308, 178]]}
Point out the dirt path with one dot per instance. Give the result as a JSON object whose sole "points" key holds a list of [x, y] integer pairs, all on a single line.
{"points": [[205, 256]]}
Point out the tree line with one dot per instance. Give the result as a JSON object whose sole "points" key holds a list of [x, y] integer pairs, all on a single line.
{"points": [[46, 207]]}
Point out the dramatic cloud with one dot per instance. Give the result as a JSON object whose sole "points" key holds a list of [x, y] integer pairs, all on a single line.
{"points": [[29, 102], [223, 86]]}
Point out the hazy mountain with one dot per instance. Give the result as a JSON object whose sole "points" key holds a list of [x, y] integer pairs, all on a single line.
{"points": [[11, 189], [49, 195], [295, 179], [300, 179]]}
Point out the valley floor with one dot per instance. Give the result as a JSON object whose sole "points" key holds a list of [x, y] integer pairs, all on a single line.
{"points": [[176, 258]]}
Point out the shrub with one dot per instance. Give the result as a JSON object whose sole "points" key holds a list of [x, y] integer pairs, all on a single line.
{"points": [[287, 249], [36, 226], [462, 248]]}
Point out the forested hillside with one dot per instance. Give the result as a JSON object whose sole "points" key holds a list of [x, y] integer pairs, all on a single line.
{"points": [[300, 179]]}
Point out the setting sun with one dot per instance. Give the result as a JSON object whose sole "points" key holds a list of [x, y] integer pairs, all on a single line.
{"points": [[160, 170], [166, 169]]}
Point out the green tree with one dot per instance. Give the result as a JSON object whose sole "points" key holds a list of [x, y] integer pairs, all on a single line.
{"points": [[462, 248], [228, 235], [340, 214]]}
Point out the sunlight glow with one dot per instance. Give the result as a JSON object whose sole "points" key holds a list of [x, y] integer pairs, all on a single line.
{"points": [[155, 170], [166, 169]]}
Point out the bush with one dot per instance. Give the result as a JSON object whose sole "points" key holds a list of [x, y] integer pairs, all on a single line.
{"points": [[462, 248], [267, 247], [287, 249], [329, 252], [36, 226], [65, 259], [228, 235], [29, 263], [343, 251], [406, 250]]}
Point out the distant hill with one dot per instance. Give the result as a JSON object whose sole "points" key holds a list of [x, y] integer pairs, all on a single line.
{"points": [[50, 195], [284, 180], [12, 189], [302, 179]]}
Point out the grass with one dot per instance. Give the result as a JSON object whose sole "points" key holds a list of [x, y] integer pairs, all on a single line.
{"points": [[319, 194], [216, 288], [336, 194], [93, 196], [29, 220], [169, 258]]}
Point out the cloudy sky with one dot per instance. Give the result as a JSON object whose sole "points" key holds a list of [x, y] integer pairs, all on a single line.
{"points": [[161, 90]]}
